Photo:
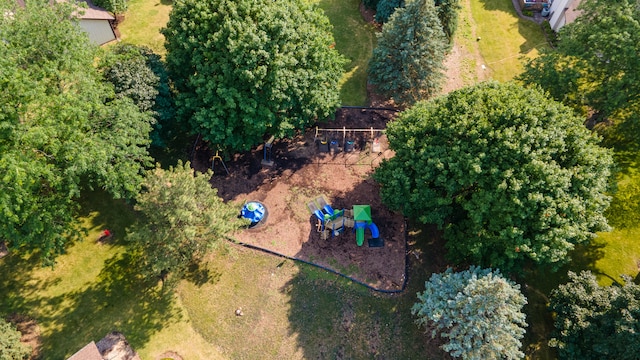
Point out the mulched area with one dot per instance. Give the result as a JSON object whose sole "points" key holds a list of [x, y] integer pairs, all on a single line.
{"points": [[302, 173]]}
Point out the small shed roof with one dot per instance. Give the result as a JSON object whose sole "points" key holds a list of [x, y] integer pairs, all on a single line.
{"points": [[89, 352]]}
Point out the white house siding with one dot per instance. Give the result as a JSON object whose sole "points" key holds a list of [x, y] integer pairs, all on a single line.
{"points": [[563, 12]]}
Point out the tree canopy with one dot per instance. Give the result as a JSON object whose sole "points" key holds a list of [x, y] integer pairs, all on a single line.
{"points": [[508, 174], [407, 63], [62, 129], [596, 322], [181, 218], [245, 69], [595, 66], [386, 8], [140, 75], [477, 311], [448, 14]]}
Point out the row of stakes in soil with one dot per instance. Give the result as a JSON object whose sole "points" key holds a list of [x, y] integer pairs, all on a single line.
{"points": [[328, 140], [330, 222]]}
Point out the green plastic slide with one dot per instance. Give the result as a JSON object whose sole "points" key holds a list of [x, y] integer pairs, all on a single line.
{"points": [[360, 235]]}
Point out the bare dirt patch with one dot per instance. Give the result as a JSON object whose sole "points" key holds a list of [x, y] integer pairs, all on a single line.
{"points": [[30, 331], [301, 173]]}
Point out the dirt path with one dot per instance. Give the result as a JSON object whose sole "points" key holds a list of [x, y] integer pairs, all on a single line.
{"points": [[465, 64]]}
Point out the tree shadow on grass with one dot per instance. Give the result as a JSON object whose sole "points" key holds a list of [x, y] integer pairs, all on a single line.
{"points": [[118, 301], [538, 284], [334, 318], [18, 286]]}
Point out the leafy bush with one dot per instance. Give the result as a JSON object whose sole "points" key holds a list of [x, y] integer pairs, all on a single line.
{"points": [[10, 346], [140, 75]]}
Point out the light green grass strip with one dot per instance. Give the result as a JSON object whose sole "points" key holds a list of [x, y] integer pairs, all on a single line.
{"points": [[143, 21], [505, 38], [355, 39]]}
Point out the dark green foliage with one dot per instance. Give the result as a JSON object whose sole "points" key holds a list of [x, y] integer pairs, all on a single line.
{"points": [[386, 8], [596, 322], [508, 174], [10, 346], [371, 4], [246, 69], [114, 6], [61, 128], [407, 64], [448, 14], [182, 217], [139, 74]]}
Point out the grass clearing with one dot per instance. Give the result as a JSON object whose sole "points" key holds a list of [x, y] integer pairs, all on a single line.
{"points": [[355, 39], [143, 21], [92, 291], [296, 311], [505, 38]]}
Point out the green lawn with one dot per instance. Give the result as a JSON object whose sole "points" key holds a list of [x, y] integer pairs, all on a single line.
{"points": [[143, 21], [355, 39], [291, 310], [505, 38]]}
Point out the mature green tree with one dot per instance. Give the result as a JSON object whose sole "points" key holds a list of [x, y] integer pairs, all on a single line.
{"points": [[386, 8], [10, 346], [448, 14], [245, 69], [61, 128], [595, 66], [477, 311], [596, 322], [508, 174], [182, 217], [407, 63], [139, 74]]}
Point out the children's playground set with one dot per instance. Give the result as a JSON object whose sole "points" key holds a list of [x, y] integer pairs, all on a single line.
{"points": [[334, 222], [320, 206]]}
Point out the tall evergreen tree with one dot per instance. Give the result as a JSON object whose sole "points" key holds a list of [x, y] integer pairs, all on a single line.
{"points": [[386, 8], [477, 311], [448, 13], [407, 64], [246, 69]]}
